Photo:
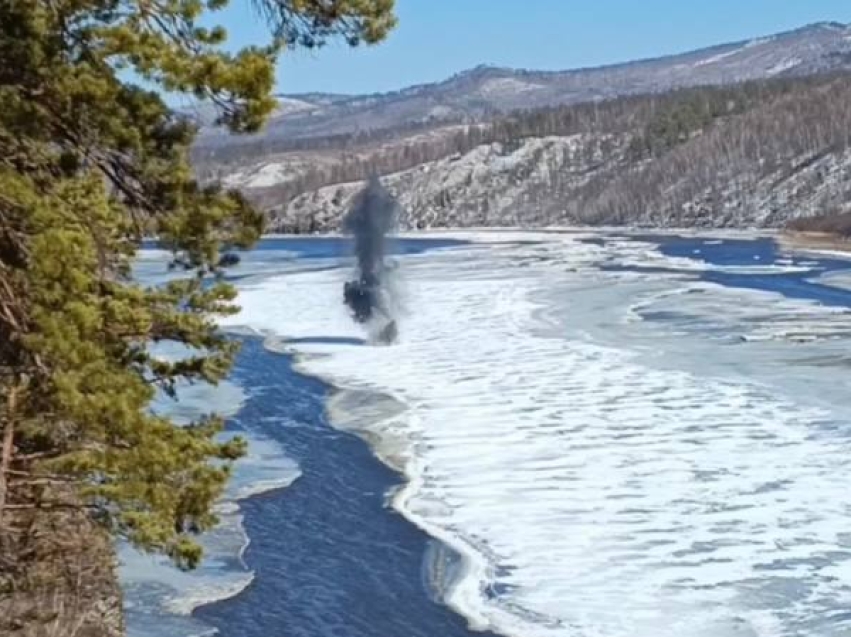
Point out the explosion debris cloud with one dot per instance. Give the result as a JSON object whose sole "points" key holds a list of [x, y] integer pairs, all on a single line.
{"points": [[369, 295]]}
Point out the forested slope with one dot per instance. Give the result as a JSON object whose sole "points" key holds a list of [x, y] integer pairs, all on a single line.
{"points": [[758, 153]]}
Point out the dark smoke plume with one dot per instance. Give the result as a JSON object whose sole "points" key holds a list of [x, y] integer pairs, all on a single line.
{"points": [[368, 295]]}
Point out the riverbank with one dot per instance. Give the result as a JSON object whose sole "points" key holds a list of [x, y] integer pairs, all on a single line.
{"points": [[327, 553], [161, 599], [822, 242]]}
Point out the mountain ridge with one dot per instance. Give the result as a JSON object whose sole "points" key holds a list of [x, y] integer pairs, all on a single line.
{"points": [[743, 134], [481, 92], [485, 68], [756, 155]]}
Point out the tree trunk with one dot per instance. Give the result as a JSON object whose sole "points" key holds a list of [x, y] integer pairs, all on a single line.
{"points": [[6, 450]]}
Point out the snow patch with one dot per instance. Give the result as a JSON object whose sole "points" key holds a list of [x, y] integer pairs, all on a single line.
{"points": [[507, 86], [717, 58], [784, 65]]}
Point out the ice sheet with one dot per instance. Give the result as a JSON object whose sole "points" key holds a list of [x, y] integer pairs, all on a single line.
{"points": [[592, 489]]}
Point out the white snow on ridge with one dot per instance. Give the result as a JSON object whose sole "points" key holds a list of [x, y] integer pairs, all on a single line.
{"points": [[603, 494], [720, 56], [759, 42], [784, 65], [289, 105], [507, 86], [266, 175]]}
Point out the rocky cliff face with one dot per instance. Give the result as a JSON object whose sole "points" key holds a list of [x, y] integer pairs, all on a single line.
{"points": [[588, 179], [492, 185]]}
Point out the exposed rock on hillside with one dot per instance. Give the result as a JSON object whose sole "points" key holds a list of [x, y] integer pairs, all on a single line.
{"points": [[492, 185], [758, 153]]}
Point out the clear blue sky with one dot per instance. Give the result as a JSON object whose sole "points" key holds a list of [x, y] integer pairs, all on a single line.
{"points": [[436, 38]]}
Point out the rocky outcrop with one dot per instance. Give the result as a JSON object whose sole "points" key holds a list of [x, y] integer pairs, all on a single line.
{"points": [[492, 185], [587, 179]]}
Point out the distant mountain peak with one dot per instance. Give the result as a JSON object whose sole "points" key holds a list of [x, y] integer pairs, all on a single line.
{"points": [[481, 70], [827, 26]]}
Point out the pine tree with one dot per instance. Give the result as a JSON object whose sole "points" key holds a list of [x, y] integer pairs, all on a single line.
{"points": [[90, 163]]}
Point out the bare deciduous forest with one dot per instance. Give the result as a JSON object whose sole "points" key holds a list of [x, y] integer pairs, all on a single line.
{"points": [[687, 157]]}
